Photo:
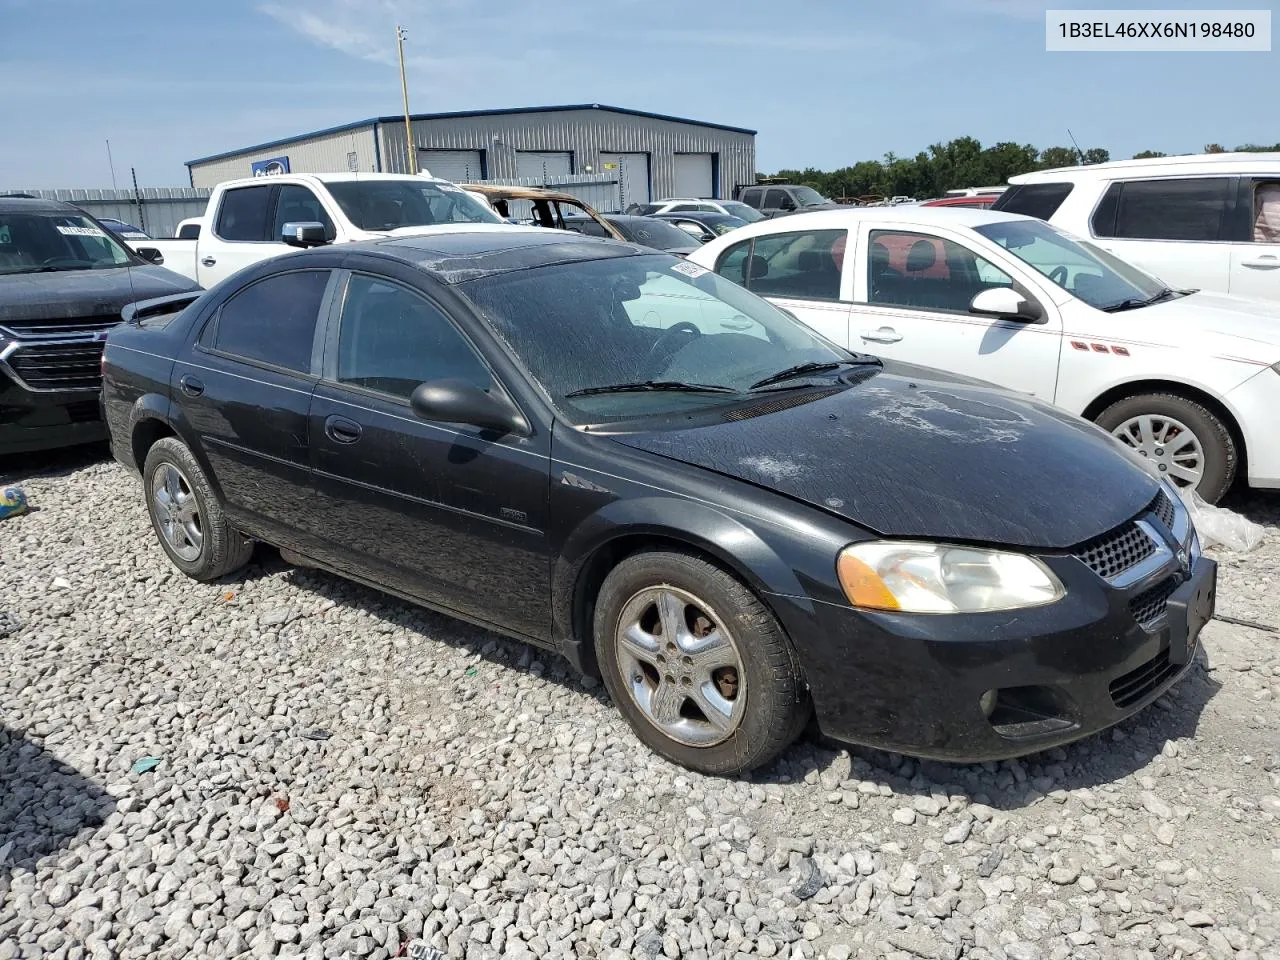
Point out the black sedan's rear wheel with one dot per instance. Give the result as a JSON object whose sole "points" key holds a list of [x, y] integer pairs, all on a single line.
{"points": [[186, 516], [696, 663]]}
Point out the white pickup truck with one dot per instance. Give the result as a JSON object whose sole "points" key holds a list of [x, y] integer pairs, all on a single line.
{"points": [[260, 217]]}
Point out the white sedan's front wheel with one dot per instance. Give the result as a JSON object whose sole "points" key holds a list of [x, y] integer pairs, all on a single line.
{"points": [[1187, 442]]}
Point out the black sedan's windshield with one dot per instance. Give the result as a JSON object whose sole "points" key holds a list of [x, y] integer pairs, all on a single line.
{"points": [[391, 204], [1083, 270], [626, 337], [49, 242]]}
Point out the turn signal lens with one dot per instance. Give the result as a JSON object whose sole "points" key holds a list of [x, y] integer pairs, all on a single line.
{"points": [[937, 578]]}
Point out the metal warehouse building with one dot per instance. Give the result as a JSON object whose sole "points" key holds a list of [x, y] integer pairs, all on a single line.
{"points": [[649, 155]]}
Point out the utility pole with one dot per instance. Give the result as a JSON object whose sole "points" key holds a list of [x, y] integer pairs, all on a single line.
{"points": [[404, 89], [111, 164]]}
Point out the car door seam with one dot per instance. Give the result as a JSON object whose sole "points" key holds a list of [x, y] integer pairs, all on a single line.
{"points": [[428, 503]]}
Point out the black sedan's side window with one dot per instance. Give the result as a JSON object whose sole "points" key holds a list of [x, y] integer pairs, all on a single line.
{"points": [[391, 339], [272, 321]]}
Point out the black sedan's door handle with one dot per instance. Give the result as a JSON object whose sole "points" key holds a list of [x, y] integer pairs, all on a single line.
{"points": [[208, 261], [341, 430], [191, 386]]}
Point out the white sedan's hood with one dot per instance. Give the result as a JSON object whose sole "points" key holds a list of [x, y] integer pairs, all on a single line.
{"points": [[1215, 323]]}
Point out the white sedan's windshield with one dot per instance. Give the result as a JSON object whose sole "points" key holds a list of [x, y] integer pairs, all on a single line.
{"points": [[678, 336], [1080, 268]]}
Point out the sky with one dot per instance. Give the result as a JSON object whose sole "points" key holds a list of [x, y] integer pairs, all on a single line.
{"points": [[825, 82]]}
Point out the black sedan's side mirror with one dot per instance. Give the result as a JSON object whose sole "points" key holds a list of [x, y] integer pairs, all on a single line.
{"points": [[307, 234], [457, 401], [151, 255]]}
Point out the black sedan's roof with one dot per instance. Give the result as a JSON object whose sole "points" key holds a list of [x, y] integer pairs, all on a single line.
{"points": [[481, 251]]}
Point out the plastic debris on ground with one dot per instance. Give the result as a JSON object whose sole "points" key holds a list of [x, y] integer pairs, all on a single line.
{"points": [[13, 503], [1218, 525], [145, 765]]}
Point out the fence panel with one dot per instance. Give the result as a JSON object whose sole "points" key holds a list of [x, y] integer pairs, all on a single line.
{"points": [[157, 210]]}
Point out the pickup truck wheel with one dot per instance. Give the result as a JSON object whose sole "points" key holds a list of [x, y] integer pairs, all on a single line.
{"points": [[699, 667], [1188, 443], [186, 516]]}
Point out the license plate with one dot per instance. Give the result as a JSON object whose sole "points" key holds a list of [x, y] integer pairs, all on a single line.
{"points": [[1190, 608]]}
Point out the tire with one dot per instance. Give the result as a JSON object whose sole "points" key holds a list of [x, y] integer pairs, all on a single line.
{"points": [[758, 679], [1220, 457], [195, 516]]}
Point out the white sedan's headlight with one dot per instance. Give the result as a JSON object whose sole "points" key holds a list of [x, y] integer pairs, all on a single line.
{"points": [[936, 578]]}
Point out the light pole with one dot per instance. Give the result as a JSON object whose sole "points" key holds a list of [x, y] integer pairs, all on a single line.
{"points": [[404, 89]]}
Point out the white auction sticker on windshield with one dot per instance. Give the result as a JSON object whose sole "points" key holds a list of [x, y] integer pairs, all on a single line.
{"points": [[80, 231], [689, 269]]}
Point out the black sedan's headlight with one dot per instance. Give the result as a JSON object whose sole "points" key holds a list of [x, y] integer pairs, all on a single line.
{"points": [[918, 577]]}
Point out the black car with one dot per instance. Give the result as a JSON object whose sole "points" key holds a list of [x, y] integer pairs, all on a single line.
{"points": [[700, 225], [623, 457], [645, 231], [63, 280]]}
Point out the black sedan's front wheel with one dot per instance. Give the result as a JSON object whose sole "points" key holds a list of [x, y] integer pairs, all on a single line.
{"points": [[696, 663], [186, 515]]}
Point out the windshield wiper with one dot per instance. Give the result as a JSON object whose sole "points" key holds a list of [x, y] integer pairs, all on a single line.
{"points": [[1132, 303], [644, 386], [813, 366]]}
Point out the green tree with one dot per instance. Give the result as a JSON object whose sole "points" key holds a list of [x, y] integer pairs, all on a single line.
{"points": [[1097, 155], [1214, 148], [1149, 155], [1052, 157]]}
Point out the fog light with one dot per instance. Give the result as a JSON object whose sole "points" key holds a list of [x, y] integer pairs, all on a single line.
{"points": [[987, 703]]}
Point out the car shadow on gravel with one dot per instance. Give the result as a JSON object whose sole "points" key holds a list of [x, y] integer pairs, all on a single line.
{"points": [[44, 804], [495, 648], [1106, 757], [16, 467]]}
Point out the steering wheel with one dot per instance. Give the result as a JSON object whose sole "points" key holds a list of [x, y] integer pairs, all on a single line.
{"points": [[666, 344], [1059, 275]]}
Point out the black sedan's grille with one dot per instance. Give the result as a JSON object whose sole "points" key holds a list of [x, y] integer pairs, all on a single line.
{"points": [[1148, 606], [1115, 552], [1162, 506], [59, 366], [1139, 683]]}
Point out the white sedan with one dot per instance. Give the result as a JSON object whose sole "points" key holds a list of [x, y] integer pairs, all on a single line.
{"points": [[1190, 380]]}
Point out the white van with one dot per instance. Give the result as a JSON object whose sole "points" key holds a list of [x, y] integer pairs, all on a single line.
{"points": [[1208, 222]]}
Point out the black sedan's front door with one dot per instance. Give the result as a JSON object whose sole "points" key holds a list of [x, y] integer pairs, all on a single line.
{"points": [[450, 514]]}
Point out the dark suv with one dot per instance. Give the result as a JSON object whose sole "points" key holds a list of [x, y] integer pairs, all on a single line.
{"points": [[776, 199], [63, 281]]}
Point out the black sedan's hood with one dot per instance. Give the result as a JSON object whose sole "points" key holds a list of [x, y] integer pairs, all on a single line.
{"points": [[928, 458], [67, 294]]}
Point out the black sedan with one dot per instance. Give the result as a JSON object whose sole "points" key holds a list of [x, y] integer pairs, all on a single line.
{"points": [[646, 231], [700, 225], [620, 456]]}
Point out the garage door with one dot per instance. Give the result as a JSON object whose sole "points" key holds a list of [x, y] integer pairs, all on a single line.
{"points": [[543, 165], [632, 171], [460, 166], [694, 176]]}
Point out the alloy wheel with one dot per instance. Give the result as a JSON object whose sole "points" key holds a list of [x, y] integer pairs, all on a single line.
{"points": [[177, 512], [681, 666]]}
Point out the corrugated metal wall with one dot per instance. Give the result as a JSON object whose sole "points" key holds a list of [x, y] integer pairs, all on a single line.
{"points": [[326, 154], [584, 132], [158, 210]]}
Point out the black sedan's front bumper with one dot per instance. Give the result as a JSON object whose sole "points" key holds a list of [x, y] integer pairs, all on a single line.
{"points": [[915, 683]]}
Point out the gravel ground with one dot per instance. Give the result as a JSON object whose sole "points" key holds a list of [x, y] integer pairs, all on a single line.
{"points": [[340, 772]]}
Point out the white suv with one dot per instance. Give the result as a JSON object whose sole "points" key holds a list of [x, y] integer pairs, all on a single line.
{"points": [[691, 204], [1209, 222]]}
